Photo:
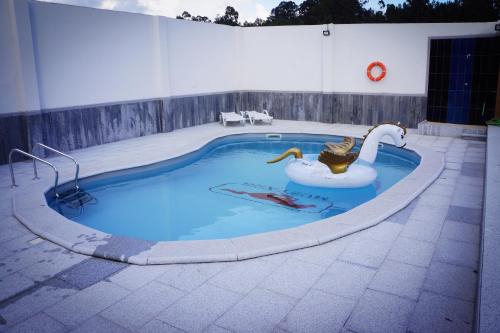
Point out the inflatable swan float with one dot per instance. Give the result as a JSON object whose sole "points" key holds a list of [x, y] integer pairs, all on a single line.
{"points": [[337, 166]]}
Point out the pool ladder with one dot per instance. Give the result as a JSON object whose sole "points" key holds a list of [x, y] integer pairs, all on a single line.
{"points": [[72, 197]]}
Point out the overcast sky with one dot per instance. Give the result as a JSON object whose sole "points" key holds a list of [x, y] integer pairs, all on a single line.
{"points": [[249, 10]]}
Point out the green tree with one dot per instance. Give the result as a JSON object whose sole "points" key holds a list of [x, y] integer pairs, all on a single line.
{"points": [[355, 11], [412, 11], [258, 22], [286, 13], [331, 11], [184, 16], [480, 10], [230, 17], [199, 18]]}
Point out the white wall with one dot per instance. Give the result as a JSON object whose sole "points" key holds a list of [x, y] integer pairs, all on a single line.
{"points": [[89, 56], [8, 88], [300, 58], [18, 82], [281, 58], [403, 48], [201, 57]]}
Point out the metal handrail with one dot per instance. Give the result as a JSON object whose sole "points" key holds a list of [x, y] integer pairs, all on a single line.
{"points": [[15, 150], [62, 154]]}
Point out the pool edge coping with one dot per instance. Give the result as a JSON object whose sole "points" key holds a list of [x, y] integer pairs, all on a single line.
{"points": [[35, 214]]}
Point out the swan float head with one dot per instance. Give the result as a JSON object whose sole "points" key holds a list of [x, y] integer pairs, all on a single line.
{"points": [[369, 149], [396, 131]]}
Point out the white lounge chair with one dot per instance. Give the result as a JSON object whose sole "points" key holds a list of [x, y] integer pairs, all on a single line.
{"points": [[227, 117], [263, 116]]}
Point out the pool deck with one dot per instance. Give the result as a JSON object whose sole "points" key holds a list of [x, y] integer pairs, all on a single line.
{"points": [[416, 271]]}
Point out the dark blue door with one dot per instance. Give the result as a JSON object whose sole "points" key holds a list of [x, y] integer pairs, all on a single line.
{"points": [[460, 80], [463, 76]]}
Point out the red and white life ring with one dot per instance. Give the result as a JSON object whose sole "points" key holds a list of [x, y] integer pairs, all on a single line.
{"points": [[374, 64]]}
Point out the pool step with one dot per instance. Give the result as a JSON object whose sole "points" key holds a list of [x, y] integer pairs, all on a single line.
{"points": [[474, 132], [76, 198]]}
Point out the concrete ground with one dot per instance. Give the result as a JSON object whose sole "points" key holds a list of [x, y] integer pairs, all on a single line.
{"points": [[414, 272]]}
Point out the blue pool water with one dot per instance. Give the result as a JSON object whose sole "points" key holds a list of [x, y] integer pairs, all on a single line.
{"points": [[226, 189]]}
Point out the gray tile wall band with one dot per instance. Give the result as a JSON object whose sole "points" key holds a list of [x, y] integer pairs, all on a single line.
{"points": [[75, 128]]}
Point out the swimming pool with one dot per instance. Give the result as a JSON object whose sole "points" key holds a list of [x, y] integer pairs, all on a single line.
{"points": [[224, 190]]}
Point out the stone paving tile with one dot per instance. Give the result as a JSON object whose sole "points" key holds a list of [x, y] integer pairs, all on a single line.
{"points": [[474, 190], [399, 279], [473, 169], [412, 251], [90, 271], [189, 276], [260, 311], [34, 300], [278, 329], [47, 268], [465, 214], [474, 158], [278, 258], [403, 215], [294, 278], [39, 323], [383, 232], [4, 252], [441, 314], [450, 174], [457, 253], [142, 306], [98, 324], [422, 230], [156, 326], [345, 330], [366, 252], [13, 284], [324, 254], [428, 214], [11, 229], [454, 159], [451, 280], [380, 313], [444, 181], [217, 329], [433, 200], [466, 200], [455, 152], [458, 145], [477, 145], [345, 279], [28, 257], [134, 277], [453, 166], [19, 244], [86, 303], [196, 311], [459, 231], [470, 181], [318, 312], [243, 276]]}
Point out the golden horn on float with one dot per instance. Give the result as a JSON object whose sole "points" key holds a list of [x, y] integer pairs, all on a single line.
{"points": [[292, 151]]}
